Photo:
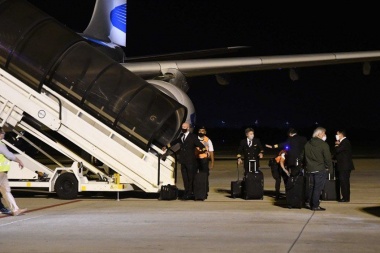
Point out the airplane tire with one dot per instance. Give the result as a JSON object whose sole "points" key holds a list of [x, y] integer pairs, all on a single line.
{"points": [[66, 186]]}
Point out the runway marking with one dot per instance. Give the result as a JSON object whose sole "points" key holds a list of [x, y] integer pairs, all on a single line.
{"points": [[9, 223], [42, 208], [299, 235]]}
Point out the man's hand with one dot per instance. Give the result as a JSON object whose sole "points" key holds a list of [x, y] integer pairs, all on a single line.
{"points": [[20, 163], [261, 155]]}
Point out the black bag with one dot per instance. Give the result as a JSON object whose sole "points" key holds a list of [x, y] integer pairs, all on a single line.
{"points": [[200, 186], [168, 192], [272, 162], [254, 182], [329, 192], [274, 168], [295, 187], [237, 186]]}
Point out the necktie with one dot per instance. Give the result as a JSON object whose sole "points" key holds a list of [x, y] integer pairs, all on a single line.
{"points": [[183, 138], [249, 143]]}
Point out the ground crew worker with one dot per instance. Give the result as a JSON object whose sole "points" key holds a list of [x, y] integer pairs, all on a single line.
{"points": [[5, 165], [279, 171], [203, 158]]}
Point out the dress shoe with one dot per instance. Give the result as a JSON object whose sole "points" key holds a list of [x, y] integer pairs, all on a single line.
{"points": [[307, 205], [343, 200], [318, 208]]}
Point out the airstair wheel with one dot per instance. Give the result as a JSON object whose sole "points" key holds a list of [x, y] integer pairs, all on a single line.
{"points": [[66, 186]]}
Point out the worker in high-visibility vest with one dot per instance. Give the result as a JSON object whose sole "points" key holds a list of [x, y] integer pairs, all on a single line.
{"points": [[204, 158], [5, 157]]}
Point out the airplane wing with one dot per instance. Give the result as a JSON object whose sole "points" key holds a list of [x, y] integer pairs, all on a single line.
{"points": [[108, 27], [199, 67]]}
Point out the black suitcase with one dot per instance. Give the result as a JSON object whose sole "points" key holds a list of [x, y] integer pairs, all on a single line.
{"points": [[254, 182], [168, 192], [295, 197], [200, 186], [329, 191], [237, 186]]}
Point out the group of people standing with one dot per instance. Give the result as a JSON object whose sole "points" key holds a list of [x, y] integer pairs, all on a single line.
{"points": [[316, 159], [297, 155], [195, 155]]}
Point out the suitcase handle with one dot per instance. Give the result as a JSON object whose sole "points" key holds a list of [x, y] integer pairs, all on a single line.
{"points": [[237, 168], [249, 165]]}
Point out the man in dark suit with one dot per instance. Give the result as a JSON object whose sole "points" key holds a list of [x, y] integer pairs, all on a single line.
{"points": [[294, 146], [344, 165], [251, 149], [187, 158]]}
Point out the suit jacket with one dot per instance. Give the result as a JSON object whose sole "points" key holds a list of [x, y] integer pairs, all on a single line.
{"points": [[343, 156], [250, 153], [187, 150], [295, 146]]}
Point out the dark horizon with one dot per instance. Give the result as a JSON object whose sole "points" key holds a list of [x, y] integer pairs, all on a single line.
{"points": [[334, 96]]}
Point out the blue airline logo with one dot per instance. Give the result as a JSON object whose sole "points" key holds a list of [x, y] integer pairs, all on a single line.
{"points": [[118, 17]]}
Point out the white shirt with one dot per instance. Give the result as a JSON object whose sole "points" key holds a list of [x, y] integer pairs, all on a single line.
{"points": [[185, 136], [5, 151], [208, 144]]}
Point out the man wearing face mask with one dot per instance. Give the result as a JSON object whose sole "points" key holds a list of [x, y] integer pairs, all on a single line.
{"points": [[187, 158], [318, 161], [344, 165], [251, 149], [204, 158]]}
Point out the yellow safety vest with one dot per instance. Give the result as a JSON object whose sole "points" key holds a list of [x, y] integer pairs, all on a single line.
{"points": [[198, 152], [5, 164]]}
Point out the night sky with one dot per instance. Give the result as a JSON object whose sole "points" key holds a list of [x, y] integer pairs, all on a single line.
{"points": [[336, 96]]}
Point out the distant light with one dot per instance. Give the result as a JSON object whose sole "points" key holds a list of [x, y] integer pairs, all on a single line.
{"points": [[366, 68], [287, 147], [293, 75]]}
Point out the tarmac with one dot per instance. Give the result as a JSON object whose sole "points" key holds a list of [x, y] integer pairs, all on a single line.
{"points": [[139, 222]]}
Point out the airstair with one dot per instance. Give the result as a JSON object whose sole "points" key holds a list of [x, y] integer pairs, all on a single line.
{"points": [[53, 81]]}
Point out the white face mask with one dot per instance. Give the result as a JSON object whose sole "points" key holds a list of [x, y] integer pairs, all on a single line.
{"points": [[324, 138], [337, 137], [250, 137]]}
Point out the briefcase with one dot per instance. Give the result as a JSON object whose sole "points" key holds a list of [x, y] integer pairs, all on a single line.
{"points": [[168, 192]]}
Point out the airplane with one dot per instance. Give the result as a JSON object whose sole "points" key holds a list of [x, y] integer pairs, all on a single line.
{"points": [[52, 79], [107, 30]]}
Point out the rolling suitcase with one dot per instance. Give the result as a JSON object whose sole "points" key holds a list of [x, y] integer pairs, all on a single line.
{"points": [[295, 197], [200, 186], [168, 192], [254, 182], [237, 186], [329, 192]]}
